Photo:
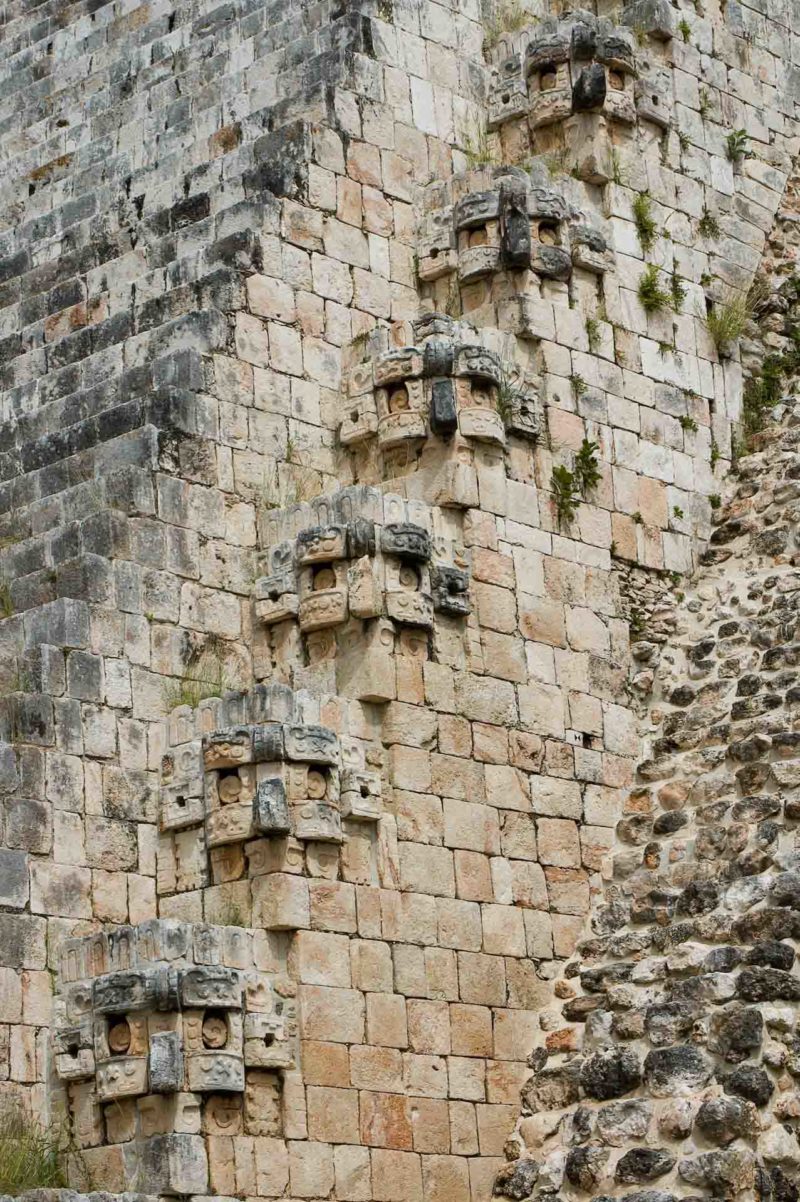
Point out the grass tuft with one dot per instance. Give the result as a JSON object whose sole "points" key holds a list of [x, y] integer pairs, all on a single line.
{"points": [[566, 494], [205, 677], [30, 1158], [586, 469], [726, 322], [477, 148], [508, 16], [653, 298], [644, 221], [737, 145], [708, 226]]}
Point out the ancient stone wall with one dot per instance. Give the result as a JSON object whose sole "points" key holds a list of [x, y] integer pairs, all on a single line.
{"points": [[369, 380]]}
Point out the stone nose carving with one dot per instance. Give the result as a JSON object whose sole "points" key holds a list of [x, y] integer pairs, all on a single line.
{"points": [[589, 88]]}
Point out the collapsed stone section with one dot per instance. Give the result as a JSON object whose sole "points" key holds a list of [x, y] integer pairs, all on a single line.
{"points": [[168, 1036], [670, 1065]]}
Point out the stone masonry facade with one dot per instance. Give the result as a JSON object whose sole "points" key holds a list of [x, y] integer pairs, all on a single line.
{"points": [[398, 649]]}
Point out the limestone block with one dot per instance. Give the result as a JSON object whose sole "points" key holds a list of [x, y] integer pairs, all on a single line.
{"points": [[281, 901]]}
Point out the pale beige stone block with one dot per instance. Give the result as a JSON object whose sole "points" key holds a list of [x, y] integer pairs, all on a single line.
{"points": [[494, 1124], [427, 869], [463, 1128], [332, 1114], [431, 1124], [471, 826], [410, 768], [328, 1013], [386, 1020], [332, 905], [317, 958], [408, 917], [428, 1026], [424, 1076], [503, 930], [325, 1063], [459, 924], [466, 1078], [506, 788], [396, 1176], [352, 1171], [281, 901], [441, 973], [310, 1169], [371, 965], [445, 1178], [375, 1068], [481, 978], [558, 842], [473, 876], [471, 1030]]}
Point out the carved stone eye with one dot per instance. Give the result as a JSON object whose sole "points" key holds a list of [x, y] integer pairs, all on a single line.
{"points": [[547, 233], [229, 787], [616, 80], [548, 78], [481, 396], [398, 399], [323, 578], [316, 785], [119, 1035], [215, 1030], [479, 236], [408, 577]]}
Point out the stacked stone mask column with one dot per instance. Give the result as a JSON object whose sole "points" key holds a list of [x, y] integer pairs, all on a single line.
{"points": [[408, 818]]}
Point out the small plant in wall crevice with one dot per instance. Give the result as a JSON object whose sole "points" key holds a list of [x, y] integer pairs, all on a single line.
{"points": [[737, 145], [30, 1157], [653, 298], [579, 385], [708, 226], [726, 322], [586, 469], [477, 148], [566, 494], [504, 16], [593, 333], [677, 290], [643, 219]]}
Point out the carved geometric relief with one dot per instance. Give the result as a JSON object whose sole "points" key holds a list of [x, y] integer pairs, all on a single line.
{"points": [[572, 84], [364, 565], [166, 1022], [277, 778]]}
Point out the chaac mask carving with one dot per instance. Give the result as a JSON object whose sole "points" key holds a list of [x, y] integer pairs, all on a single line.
{"points": [[572, 85], [432, 412], [363, 576], [504, 237], [263, 771], [161, 1030]]}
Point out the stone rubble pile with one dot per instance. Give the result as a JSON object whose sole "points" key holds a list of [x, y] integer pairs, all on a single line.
{"points": [[670, 1069]]}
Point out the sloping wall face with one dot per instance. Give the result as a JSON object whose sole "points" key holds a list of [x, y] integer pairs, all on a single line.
{"points": [[370, 376]]}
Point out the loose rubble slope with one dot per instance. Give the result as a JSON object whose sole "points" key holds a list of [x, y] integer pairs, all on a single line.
{"points": [[671, 1070]]}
